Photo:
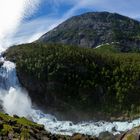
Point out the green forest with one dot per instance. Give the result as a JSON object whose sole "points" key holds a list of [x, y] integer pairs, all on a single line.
{"points": [[92, 79]]}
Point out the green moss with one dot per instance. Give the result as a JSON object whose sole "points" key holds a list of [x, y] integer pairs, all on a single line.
{"points": [[6, 117], [23, 121], [19, 128], [6, 129], [131, 137], [24, 134]]}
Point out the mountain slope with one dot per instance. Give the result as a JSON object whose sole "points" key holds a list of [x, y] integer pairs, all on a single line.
{"points": [[95, 28], [71, 81]]}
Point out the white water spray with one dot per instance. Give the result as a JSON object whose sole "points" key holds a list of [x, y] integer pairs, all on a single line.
{"points": [[13, 98], [17, 102]]}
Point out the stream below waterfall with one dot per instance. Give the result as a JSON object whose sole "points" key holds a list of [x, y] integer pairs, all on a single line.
{"points": [[15, 100]]}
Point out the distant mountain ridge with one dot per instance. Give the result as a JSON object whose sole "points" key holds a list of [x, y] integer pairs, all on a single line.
{"points": [[96, 28]]}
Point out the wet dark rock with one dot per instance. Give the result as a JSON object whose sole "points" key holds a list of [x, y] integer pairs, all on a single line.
{"points": [[16, 129], [12, 122], [1, 63], [108, 136], [15, 116], [114, 129], [82, 137]]}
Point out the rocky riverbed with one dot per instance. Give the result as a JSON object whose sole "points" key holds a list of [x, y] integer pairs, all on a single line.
{"points": [[23, 129]]}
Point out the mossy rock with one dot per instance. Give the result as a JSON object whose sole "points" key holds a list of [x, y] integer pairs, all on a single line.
{"points": [[24, 134], [6, 129], [133, 134], [16, 128]]}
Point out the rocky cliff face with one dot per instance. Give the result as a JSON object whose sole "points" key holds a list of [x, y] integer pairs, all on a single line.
{"points": [[95, 28]]}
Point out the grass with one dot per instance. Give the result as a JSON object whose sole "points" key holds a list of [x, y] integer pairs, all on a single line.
{"points": [[107, 48], [21, 121]]}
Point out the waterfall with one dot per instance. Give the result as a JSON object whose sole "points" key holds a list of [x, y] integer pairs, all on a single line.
{"points": [[15, 100]]}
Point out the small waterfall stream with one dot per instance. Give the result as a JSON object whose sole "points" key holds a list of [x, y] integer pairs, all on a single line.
{"points": [[15, 100]]}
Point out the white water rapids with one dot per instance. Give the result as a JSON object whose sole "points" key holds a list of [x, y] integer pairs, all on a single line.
{"points": [[15, 100]]}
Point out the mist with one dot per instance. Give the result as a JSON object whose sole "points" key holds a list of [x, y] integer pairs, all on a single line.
{"points": [[16, 101], [13, 98]]}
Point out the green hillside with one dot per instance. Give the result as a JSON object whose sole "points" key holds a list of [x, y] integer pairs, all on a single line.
{"points": [[67, 77]]}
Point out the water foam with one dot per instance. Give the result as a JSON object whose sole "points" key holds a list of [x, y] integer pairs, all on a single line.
{"points": [[89, 128]]}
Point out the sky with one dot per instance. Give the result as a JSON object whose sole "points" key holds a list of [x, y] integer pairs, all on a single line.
{"points": [[24, 21]]}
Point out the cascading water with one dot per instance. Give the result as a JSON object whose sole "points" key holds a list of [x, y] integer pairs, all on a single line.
{"points": [[15, 100]]}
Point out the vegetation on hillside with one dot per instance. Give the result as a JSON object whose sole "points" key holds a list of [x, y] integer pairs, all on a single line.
{"points": [[19, 128], [85, 78]]}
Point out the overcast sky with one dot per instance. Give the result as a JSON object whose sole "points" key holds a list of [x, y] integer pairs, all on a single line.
{"points": [[24, 21]]}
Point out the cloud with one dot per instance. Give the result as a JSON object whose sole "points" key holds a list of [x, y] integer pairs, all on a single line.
{"points": [[12, 13], [32, 30]]}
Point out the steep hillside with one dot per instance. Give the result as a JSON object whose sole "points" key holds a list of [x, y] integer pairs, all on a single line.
{"points": [[79, 83], [96, 28], [20, 129]]}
